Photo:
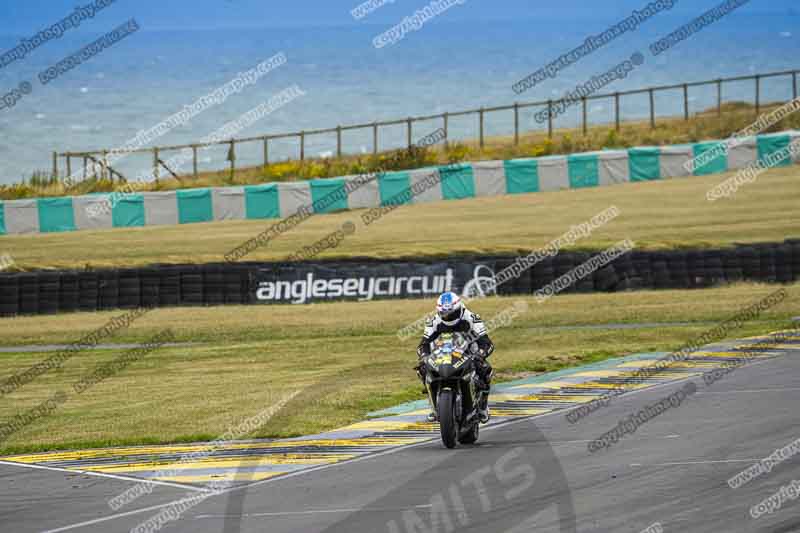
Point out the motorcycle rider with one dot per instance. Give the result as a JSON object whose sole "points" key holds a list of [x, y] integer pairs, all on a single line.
{"points": [[453, 316]]}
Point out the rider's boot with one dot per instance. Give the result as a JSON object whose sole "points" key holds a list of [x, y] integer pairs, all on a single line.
{"points": [[431, 417], [483, 407]]}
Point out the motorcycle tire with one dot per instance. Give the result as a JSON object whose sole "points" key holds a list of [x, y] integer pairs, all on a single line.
{"points": [[447, 418]]}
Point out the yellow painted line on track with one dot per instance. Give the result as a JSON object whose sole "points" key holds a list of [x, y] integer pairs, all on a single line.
{"points": [[600, 374], [518, 412], [233, 462], [385, 425], [545, 385], [101, 453], [562, 398], [241, 476]]}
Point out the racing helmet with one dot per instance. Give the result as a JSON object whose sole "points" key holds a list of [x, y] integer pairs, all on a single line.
{"points": [[449, 308]]}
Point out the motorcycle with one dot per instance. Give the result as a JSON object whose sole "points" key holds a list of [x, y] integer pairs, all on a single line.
{"points": [[451, 387]]}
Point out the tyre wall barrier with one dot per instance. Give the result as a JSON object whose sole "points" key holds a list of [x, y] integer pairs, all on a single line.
{"points": [[50, 292]]}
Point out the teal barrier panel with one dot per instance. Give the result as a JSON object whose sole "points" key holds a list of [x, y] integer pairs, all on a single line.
{"points": [[194, 205], [262, 201], [55, 214], [328, 195], [644, 164], [584, 171], [522, 176], [395, 188], [717, 165], [769, 145], [2, 220], [458, 182], [128, 212]]}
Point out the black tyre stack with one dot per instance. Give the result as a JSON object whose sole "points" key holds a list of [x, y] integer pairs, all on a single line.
{"points": [[795, 246], [88, 291], [9, 295], [49, 292], [213, 289], [783, 264], [542, 273], [29, 294], [69, 292], [585, 284], [237, 284], [169, 286], [562, 264], [731, 266], [108, 289], [191, 286], [150, 284]]}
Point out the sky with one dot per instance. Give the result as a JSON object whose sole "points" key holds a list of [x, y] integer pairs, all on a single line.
{"points": [[28, 16]]}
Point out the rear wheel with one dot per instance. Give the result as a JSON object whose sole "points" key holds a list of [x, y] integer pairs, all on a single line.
{"points": [[447, 419]]}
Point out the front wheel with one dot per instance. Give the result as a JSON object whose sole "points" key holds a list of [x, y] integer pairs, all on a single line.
{"points": [[447, 419]]}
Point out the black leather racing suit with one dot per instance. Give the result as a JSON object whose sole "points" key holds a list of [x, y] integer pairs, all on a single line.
{"points": [[471, 326]]}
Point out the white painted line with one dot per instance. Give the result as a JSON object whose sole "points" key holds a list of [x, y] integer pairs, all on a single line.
{"points": [[369, 456], [317, 511], [641, 437], [750, 390], [699, 462], [103, 474]]}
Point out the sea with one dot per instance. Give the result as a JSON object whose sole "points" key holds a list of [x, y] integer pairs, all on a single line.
{"points": [[443, 66]]}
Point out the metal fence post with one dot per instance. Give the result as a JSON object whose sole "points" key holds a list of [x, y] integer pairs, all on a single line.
{"points": [[758, 94], [55, 164], [266, 151], [516, 123], [338, 141], [302, 145], [194, 161], [106, 173], [410, 142], [374, 137], [652, 109], [482, 115], [585, 116], [719, 98], [155, 164], [616, 110], [69, 165], [232, 157], [685, 101], [794, 85], [550, 118]]}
